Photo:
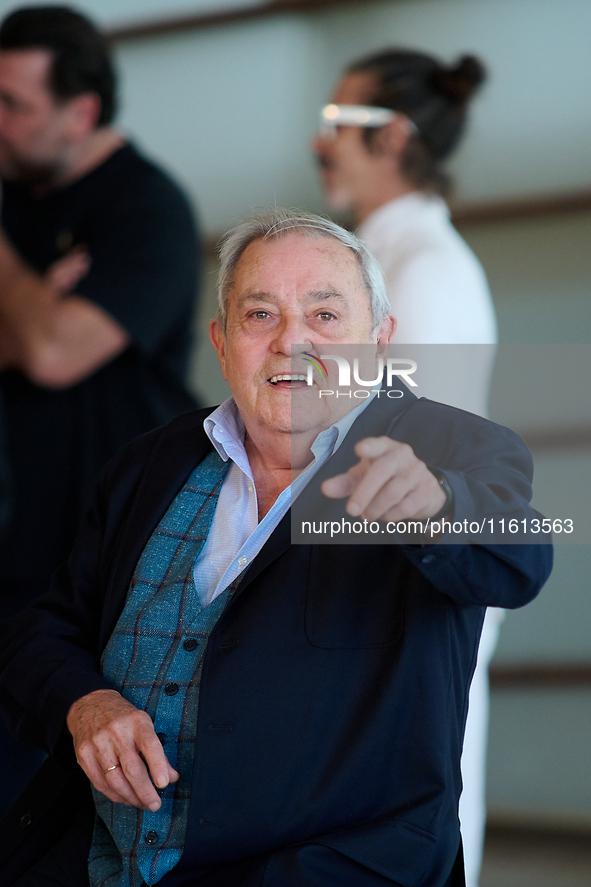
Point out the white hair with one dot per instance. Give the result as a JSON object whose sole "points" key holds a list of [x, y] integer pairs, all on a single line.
{"points": [[277, 222]]}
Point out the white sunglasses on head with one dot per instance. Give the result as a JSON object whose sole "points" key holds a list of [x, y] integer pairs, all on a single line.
{"points": [[366, 116]]}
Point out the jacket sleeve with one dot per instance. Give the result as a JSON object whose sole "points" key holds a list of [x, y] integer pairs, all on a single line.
{"points": [[508, 576], [490, 473]]}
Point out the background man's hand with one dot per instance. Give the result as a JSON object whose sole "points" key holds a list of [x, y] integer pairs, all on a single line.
{"points": [[388, 483], [66, 273], [107, 731]]}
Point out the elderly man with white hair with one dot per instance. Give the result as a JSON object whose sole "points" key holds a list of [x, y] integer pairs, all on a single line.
{"points": [[247, 709]]}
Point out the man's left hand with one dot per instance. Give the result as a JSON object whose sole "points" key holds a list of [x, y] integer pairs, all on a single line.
{"points": [[388, 483]]}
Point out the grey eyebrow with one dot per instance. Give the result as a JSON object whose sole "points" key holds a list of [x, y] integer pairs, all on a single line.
{"points": [[254, 297], [311, 298], [325, 295]]}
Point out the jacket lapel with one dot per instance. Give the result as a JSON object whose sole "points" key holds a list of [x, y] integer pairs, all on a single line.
{"points": [[173, 457]]}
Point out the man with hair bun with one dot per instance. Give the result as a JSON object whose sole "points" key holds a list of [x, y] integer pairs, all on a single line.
{"points": [[395, 118]]}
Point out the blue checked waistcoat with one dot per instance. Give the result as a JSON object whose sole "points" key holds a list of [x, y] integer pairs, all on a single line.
{"points": [[154, 657]]}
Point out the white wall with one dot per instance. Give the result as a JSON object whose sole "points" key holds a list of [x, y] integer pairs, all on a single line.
{"points": [[540, 274], [113, 13], [223, 109]]}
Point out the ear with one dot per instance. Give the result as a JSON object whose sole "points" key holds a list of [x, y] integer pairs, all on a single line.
{"points": [[85, 111], [218, 340], [393, 138], [386, 334]]}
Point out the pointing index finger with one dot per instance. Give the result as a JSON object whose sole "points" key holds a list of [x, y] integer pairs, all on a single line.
{"points": [[380, 458], [374, 447]]}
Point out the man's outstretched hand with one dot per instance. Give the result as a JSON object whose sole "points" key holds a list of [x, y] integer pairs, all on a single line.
{"points": [[388, 483], [117, 747]]}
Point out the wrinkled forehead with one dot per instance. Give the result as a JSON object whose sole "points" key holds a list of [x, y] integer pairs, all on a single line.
{"points": [[298, 261]]}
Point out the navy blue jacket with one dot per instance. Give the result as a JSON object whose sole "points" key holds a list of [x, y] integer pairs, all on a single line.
{"points": [[335, 685]]}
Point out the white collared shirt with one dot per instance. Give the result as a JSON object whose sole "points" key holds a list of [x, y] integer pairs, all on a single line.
{"points": [[436, 285], [236, 536], [439, 296]]}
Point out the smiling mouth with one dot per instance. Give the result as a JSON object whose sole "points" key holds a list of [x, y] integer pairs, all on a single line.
{"points": [[289, 380]]}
